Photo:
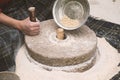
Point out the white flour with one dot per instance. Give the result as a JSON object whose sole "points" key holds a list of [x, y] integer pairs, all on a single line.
{"points": [[105, 68]]}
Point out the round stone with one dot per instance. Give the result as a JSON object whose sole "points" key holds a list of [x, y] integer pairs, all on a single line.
{"points": [[79, 45]]}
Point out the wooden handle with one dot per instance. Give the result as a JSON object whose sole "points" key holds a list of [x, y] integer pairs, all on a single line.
{"points": [[32, 14], [60, 33]]}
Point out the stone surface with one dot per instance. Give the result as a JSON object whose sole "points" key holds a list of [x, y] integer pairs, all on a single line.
{"points": [[79, 46], [81, 67], [104, 69]]}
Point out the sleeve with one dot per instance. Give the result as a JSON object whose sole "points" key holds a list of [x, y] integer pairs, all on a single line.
{"points": [[0, 10]]}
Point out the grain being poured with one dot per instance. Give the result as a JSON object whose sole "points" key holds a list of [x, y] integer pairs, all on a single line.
{"points": [[67, 22]]}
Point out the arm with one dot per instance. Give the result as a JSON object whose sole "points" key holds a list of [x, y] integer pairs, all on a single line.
{"points": [[9, 21], [26, 26]]}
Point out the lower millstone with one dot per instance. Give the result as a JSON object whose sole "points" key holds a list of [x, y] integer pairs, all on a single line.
{"points": [[79, 47]]}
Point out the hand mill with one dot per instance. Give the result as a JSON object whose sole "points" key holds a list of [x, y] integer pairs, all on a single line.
{"points": [[71, 48]]}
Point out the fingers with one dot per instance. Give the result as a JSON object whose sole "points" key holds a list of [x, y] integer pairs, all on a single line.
{"points": [[34, 28], [34, 24], [32, 33], [30, 28]]}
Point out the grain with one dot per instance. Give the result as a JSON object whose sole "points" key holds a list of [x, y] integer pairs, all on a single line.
{"points": [[67, 22]]}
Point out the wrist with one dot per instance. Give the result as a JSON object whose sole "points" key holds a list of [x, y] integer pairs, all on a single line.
{"points": [[18, 25]]}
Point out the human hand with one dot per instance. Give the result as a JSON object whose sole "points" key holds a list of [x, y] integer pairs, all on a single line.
{"points": [[29, 28]]}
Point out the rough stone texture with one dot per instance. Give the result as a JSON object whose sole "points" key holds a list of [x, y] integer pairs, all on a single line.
{"points": [[79, 46], [82, 67]]}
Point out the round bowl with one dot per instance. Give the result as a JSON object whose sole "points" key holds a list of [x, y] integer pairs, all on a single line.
{"points": [[70, 14]]}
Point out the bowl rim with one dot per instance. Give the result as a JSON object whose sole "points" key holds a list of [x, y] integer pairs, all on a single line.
{"points": [[69, 28]]}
